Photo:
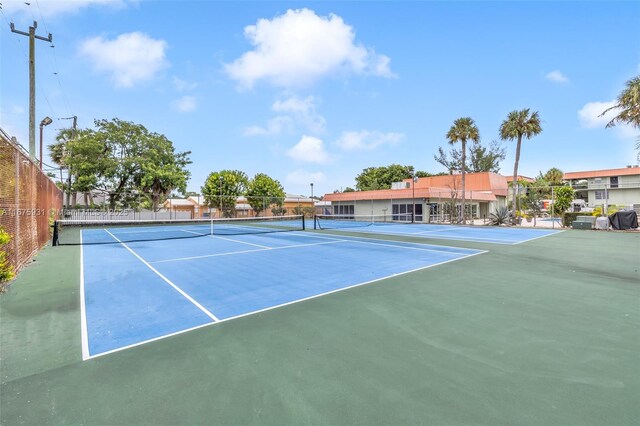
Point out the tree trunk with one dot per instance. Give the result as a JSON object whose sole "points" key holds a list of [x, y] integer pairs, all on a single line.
{"points": [[515, 175], [464, 163]]}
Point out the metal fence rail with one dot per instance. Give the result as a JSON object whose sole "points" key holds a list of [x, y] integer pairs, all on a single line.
{"points": [[28, 201]]}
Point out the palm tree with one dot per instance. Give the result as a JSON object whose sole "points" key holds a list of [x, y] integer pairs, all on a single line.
{"points": [[628, 105], [518, 124], [463, 129]]}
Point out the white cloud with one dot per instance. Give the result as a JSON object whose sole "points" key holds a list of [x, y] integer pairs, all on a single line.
{"points": [[301, 113], [186, 104], [300, 47], [51, 8], [310, 150], [275, 126], [183, 85], [590, 118], [365, 140], [557, 77], [129, 59], [303, 177]]}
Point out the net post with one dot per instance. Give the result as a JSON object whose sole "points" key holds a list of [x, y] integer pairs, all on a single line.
{"points": [[54, 240], [303, 223], [315, 222]]}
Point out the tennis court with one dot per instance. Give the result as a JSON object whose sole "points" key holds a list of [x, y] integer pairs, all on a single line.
{"points": [[385, 225], [142, 283], [544, 332]]}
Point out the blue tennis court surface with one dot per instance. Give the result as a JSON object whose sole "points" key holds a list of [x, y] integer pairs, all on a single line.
{"points": [[139, 291], [481, 234]]}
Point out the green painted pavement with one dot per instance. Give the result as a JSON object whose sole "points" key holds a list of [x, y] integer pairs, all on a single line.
{"points": [[546, 332]]}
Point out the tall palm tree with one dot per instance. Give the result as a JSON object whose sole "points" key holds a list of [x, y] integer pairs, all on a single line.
{"points": [[518, 124], [463, 129], [627, 105]]}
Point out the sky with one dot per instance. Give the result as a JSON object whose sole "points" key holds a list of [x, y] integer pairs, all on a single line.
{"points": [[314, 92]]}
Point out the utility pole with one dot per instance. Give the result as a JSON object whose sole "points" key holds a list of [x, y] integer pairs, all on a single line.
{"points": [[32, 81], [73, 136]]}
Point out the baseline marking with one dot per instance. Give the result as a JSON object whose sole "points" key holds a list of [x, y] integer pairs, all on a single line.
{"points": [[541, 236], [178, 289], [386, 243]]}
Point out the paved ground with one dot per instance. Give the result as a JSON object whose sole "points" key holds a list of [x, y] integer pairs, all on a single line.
{"points": [[545, 332]]}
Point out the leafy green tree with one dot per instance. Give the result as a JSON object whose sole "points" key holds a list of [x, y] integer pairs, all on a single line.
{"points": [[83, 156], [121, 158], [373, 178], [533, 200], [541, 184], [222, 189], [563, 198], [163, 170], [463, 130], [481, 158], [486, 158], [263, 191], [349, 189], [423, 174], [554, 176], [451, 161], [517, 125], [279, 211]]}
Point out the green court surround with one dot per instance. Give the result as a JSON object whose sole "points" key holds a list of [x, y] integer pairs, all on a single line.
{"points": [[545, 332]]}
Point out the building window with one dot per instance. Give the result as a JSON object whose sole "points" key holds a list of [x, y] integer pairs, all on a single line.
{"points": [[344, 210], [613, 180], [404, 212], [601, 195]]}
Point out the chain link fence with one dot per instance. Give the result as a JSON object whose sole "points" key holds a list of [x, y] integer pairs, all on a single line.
{"points": [[29, 202]]}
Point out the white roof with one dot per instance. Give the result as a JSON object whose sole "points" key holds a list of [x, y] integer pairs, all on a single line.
{"points": [[179, 202]]}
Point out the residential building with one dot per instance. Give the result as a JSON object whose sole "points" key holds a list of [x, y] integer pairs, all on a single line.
{"points": [[607, 187], [430, 199]]}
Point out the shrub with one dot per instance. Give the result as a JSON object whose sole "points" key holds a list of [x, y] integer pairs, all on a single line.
{"points": [[6, 271], [569, 217], [502, 216]]}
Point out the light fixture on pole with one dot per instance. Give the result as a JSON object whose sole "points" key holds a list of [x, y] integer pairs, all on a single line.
{"points": [[45, 122], [413, 200]]}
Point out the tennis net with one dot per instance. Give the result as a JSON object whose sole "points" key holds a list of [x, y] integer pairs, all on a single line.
{"points": [[76, 232], [350, 221]]}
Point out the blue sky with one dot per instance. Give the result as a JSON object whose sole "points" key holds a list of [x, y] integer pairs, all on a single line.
{"points": [[317, 91]]}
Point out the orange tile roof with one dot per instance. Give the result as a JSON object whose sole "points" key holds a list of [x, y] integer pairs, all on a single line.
{"points": [[603, 173], [478, 186], [520, 177]]}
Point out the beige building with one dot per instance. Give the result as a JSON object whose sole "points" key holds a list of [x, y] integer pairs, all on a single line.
{"points": [[430, 199], [607, 187]]}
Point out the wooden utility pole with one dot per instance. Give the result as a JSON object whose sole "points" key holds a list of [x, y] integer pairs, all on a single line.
{"points": [[74, 132], [32, 81]]}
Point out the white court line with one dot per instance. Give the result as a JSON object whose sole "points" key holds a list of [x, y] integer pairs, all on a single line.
{"points": [[285, 304], [83, 311], [178, 289], [541, 236], [457, 238], [386, 243], [247, 251], [230, 239]]}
